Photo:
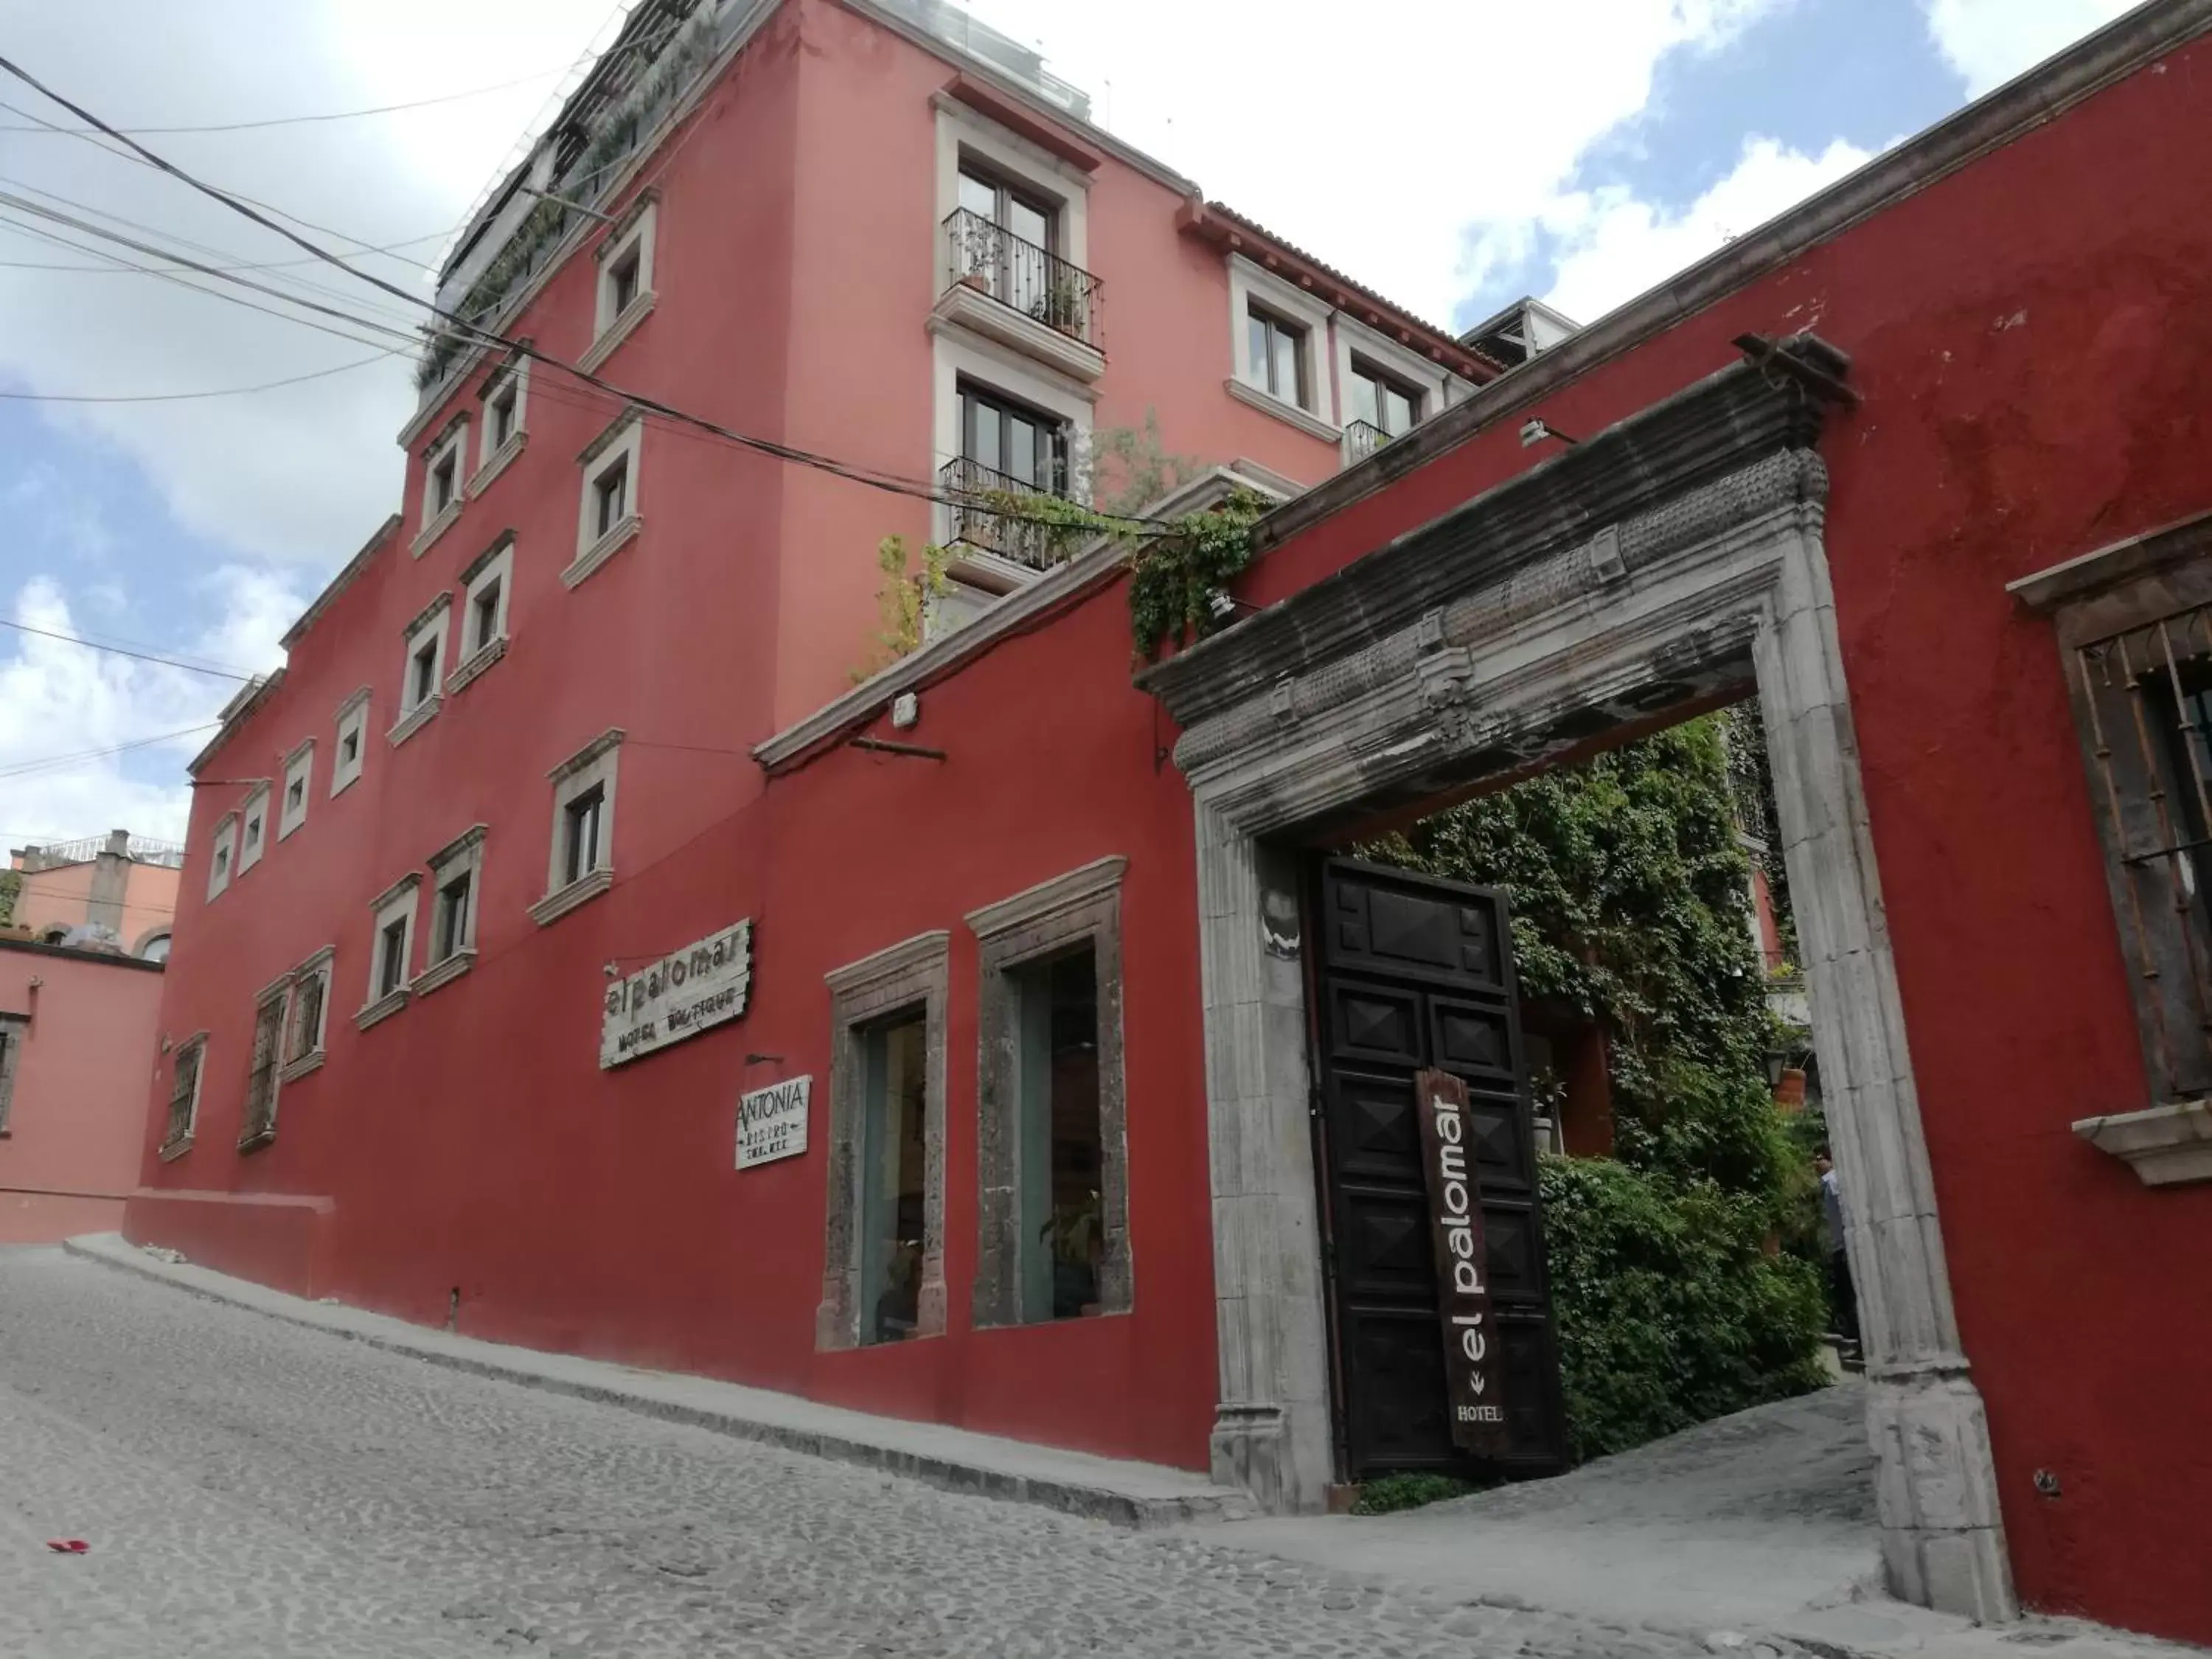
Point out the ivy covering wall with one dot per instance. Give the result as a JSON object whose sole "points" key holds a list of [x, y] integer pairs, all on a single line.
{"points": [[1630, 902]]}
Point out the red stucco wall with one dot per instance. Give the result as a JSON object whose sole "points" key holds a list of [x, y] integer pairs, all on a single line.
{"points": [[69, 1155]]}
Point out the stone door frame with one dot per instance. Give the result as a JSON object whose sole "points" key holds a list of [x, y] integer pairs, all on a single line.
{"points": [[1672, 561]]}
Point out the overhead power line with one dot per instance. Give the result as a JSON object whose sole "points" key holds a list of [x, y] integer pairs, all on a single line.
{"points": [[63, 762], [261, 265], [872, 477], [303, 120], [123, 651], [182, 397]]}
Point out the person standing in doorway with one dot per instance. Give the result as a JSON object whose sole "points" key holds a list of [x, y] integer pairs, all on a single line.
{"points": [[1842, 1298]]}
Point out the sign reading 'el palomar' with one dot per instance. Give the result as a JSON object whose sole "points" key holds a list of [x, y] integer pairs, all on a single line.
{"points": [[683, 995], [1474, 1363]]}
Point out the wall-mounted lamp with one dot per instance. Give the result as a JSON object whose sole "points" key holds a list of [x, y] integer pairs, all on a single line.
{"points": [[1535, 430]]}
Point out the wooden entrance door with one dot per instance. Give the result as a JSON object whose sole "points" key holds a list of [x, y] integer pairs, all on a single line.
{"points": [[1414, 972]]}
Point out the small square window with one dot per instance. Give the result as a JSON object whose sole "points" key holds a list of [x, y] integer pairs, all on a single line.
{"points": [[253, 822], [625, 291], [442, 483], [391, 957], [426, 675], [391, 946], [420, 695], [622, 281], [352, 726], [483, 616], [295, 792], [452, 933], [349, 747], [607, 511], [501, 418], [580, 863]]}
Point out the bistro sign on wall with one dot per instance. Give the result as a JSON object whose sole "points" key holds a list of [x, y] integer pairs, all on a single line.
{"points": [[695, 989], [1474, 1363]]}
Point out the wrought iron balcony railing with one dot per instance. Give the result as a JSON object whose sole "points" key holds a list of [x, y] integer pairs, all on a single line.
{"points": [[1363, 438], [984, 505], [1034, 281]]}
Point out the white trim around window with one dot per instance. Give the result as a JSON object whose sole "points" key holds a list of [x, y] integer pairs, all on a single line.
{"points": [[607, 518], [456, 888], [1432, 379], [1250, 285], [623, 290], [306, 1016], [222, 855], [299, 782], [254, 827], [506, 405], [420, 692], [486, 586], [445, 472], [960, 356], [963, 132], [389, 958], [347, 760], [579, 858]]}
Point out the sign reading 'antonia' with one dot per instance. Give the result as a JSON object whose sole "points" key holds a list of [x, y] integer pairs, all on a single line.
{"points": [[695, 989]]}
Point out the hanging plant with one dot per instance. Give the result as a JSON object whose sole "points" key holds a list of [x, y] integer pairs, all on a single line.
{"points": [[1179, 582]]}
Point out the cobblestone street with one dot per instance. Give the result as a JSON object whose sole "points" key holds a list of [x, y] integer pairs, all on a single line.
{"points": [[252, 1488]]}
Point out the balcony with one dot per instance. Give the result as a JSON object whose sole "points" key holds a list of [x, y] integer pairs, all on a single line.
{"points": [[1022, 296], [1362, 438], [978, 501]]}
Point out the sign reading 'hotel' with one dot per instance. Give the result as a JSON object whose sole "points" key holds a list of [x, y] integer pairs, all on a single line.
{"points": [[694, 990], [1474, 1363]]}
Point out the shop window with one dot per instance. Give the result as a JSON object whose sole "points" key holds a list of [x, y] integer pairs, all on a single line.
{"points": [[884, 1278], [1052, 1178]]}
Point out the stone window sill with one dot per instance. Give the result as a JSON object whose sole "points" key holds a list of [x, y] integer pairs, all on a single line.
{"points": [[254, 1143], [446, 519], [2165, 1145], [635, 313], [415, 718], [174, 1150], [561, 901], [340, 785], [601, 551], [484, 658], [497, 463], [1312, 425], [383, 1008], [293, 1070], [444, 973]]}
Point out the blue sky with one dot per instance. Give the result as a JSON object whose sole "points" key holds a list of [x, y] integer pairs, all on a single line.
{"points": [[1577, 149]]}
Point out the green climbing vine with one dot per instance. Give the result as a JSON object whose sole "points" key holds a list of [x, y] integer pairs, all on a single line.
{"points": [[902, 601], [11, 885], [1628, 887], [1179, 579]]}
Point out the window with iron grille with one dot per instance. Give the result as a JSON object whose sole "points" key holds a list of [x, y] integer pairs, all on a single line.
{"points": [[184, 1095], [303, 1024], [259, 1126], [12, 1030]]}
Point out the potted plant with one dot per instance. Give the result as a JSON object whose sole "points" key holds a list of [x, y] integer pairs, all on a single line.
{"points": [[1061, 306]]}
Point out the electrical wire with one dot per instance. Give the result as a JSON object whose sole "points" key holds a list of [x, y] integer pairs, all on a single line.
{"points": [[870, 477], [181, 397], [303, 120], [261, 265], [24, 769], [123, 651]]}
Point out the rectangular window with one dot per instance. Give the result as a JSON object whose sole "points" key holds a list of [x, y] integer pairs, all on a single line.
{"points": [[452, 932], [420, 694], [1052, 1171], [443, 482], [893, 1052], [1278, 349], [506, 399], [257, 1124], [1026, 451], [352, 724], [498, 418], [303, 1027], [607, 511], [184, 1095], [219, 858], [253, 824], [483, 615], [582, 821], [610, 497], [12, 1028], [299, 772], [426, 676], [623, 279], [391, 957], [1389, 404]]}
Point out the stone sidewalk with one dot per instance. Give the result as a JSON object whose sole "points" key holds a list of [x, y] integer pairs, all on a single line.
{"points": [[1074, 1483]]}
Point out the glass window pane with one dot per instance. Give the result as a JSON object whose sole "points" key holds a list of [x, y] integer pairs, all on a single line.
{"points": [[1022, 449], [986, 443], [1028, 222], [978, 195], [1062, 1146], [1397, 411], [1288, 380], [893, 1058], [1365, 405], [1256, 346]]}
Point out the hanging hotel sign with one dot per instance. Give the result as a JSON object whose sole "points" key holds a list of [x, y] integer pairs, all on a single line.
{"points": [[772, 1122], [1474, 1363], [695, 989]]}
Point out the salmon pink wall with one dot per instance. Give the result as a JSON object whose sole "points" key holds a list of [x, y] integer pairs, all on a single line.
{"points": [[69, 1153], [2031, 343]]}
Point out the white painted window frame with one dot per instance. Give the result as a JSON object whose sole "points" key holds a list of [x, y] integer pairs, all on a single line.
{"points": [[463, 855], [621, 443], [999, 149], [598, 762], [493, 459], [495, 564], [253, 846], [398, 902], [299, 768], [1249, 284], [352, 716], [1353, 339], [453, 441], [222, 856], [637, 229], [430, 628]]}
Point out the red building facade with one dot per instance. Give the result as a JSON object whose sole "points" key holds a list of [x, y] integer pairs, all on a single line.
{"points": [[2001, 396]]}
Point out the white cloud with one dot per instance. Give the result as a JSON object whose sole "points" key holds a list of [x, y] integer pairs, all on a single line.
{"points": [[1990, 41], [60, 701], [1613, 246]]}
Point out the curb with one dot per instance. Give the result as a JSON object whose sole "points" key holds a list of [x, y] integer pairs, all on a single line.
{"points": [[1065, 1497]]}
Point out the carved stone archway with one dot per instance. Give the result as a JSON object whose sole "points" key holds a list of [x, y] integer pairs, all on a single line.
{"points": [[1672, 560]]}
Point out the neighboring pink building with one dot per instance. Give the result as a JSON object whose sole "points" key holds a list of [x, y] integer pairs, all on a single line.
{"points": [[121, 885], [76, 1049]]}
